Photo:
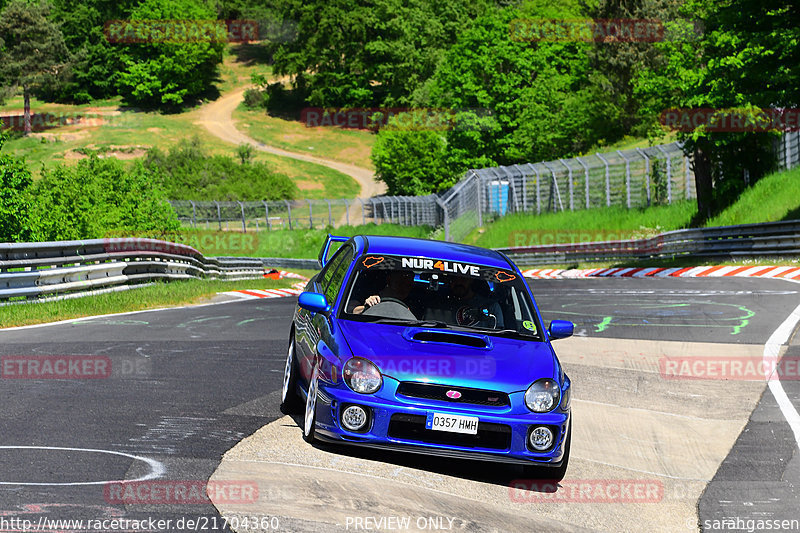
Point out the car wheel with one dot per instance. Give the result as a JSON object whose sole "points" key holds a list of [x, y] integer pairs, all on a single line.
{"points": [[310, 418], [290, 402]]}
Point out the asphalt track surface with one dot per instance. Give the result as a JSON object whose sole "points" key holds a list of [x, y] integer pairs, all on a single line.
{"points": [[191, 383]]}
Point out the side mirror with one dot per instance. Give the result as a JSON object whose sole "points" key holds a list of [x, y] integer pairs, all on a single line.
{"points": [[314, 302], [560, 329]]}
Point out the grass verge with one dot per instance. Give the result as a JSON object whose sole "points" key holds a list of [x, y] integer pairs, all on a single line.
{"points": [[774, 197], [602, 224], [161, 294]]}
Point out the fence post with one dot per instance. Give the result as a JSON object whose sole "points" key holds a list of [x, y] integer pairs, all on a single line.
{"points": [[524, 178], [554, 187], [479, 185], [266, 214], [219, 216], [244, 222], [346, 211], [289, 213], [363, 212], [669, 172], [688, 178], [646, 173], [608, 179], [446, 217], [586, 179], [569, 177], [310, 215], [330, 215], [538, 188], [194, 214], [627, 179]]}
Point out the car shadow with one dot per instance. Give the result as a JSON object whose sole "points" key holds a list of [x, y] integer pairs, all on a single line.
{"points": [[520, 478]]}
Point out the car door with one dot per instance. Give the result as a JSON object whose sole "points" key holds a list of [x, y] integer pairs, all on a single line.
{"points": [[318, 339]]}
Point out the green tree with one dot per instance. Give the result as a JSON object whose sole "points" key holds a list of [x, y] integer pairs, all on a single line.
{"points": [[100, 198], [529, 100], [411, 161], [188, 172], [32, 50], [746, 59], [167, 71], [96, 60], [377, 52], [15, 180]]}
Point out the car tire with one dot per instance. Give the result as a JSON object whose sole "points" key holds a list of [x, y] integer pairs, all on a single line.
{"points": [[290, 401], [310, 416], [546, 473]]}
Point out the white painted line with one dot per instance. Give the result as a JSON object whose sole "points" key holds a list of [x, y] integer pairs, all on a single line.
{"points": [[156, 467], [771, 351], [84, 318]]}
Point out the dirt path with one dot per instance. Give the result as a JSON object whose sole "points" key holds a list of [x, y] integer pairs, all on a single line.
{"points": [[217, 117]]}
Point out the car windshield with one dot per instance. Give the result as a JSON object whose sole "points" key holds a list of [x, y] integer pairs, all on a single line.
{"points": [[425, 291]]}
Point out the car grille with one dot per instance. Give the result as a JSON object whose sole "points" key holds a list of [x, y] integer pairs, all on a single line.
{"points": [[439, 392], [412, 427]]}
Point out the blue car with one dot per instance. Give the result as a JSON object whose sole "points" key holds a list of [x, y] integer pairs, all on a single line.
{"points": [[429, 347]]}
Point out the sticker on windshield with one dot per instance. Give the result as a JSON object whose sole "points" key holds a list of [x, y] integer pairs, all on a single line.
{"points": [[527, 324], [371, 261], [502, 277], [444, 266]]}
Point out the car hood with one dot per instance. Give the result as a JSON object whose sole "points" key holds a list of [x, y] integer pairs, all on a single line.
{"points": [[439, 356]]}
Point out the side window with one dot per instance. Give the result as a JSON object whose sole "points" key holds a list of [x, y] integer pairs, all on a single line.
{"points": [[337, 274], [324, 277]]}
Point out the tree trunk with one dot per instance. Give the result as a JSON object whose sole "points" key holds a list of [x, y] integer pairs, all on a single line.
{"points": [[703, 181], [27, 111]]}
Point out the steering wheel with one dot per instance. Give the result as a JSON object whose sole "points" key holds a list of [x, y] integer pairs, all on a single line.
{"points": [[393, 308], [392, 300]]}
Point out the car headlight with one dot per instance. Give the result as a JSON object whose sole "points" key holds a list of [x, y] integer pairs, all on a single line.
{"points": [[543, 395], [362, 376]]}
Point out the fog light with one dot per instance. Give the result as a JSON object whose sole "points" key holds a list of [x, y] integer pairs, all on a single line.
{"points": [[354, 418], [541, 438]]}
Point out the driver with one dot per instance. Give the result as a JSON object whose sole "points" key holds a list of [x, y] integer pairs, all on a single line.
{"points": [[398, 286], [465, 307]]}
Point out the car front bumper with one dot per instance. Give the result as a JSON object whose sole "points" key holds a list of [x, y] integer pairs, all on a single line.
{"points": [[397, 424]]}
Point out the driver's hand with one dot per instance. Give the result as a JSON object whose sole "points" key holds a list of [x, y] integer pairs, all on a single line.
{"points": [[372, 300]]}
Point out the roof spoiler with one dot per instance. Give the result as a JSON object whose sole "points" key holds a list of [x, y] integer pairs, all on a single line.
{"points": [[323, 253]]}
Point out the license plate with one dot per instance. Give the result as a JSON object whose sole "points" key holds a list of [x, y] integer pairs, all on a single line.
{"points": [[452, 423]]}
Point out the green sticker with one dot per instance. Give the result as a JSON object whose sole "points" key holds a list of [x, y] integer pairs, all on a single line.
{"points": [[528, 325]]}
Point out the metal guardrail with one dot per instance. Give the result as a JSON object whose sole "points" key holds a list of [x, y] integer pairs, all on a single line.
{"points": [[753, 240], [38, 270]]}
